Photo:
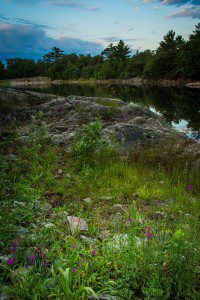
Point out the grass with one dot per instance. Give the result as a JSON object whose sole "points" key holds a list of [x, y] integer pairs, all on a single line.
{"points": [[152, 245]]}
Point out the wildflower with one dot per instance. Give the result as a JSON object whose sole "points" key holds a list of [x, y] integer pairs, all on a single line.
{"points": [[189, 187], [116, 230], [83, 255], [74, 246], [131, 220], [43, 254], [14, 249], [32, 260], [44, 264], [149, 235], [74, 270], [11, 261], [93, 253], [15, 244], [149, 229]]}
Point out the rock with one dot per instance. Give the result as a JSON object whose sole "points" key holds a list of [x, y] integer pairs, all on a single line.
{"points": [[23, 230], [117, 208], [129, 125], [118, 240], [104, 234], [77, 224], [88, 200], [49, 225], [87, 239], [21, 204], [47, 207], [68, 175]]}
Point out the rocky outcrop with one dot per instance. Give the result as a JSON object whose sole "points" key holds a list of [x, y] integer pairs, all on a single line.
{"points": [[126, 123]]}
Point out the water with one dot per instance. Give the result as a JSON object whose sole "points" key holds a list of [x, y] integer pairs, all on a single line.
{"points": [[179, 106]]}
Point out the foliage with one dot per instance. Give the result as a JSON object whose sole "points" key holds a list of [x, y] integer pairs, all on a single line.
{"points": [[152, 250]]}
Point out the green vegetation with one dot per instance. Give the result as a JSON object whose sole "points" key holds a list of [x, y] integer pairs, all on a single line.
{"points": [[175, 58], [152, 245]]}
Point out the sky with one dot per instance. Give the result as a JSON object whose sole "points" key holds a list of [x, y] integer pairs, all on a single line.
{"points": [[30, 28]]}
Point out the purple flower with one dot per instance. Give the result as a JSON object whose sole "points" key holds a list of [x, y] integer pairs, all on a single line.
{"points": [[14, 249], [93, 253], [43, 254], [44, 264], [32, 260], [149, 229], [74, 270], [116, 230], [189, 187], [74, 246], [131, 220], [83, 255], [149, 235], [11, 261], [15, 244]]}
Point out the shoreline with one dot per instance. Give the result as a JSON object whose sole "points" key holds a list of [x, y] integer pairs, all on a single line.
{"points": [[137, 81]]}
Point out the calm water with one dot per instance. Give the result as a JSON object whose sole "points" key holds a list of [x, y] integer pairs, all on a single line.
{"points": [[179, 106]]}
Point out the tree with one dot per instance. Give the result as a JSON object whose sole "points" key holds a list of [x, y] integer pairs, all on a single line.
{"points": [[192, 54], [53, 55], [19, 68], [2, 71]]}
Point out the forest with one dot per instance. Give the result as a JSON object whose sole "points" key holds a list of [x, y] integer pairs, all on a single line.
{"points": [[175, 58]]}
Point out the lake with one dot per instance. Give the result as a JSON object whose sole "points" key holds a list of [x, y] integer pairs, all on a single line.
{"points": [[180, 106]]}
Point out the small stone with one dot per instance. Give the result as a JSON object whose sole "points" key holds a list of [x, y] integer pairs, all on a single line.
{"points": [[59, 171], [23, 230], [68, 175], [21, 204], [117, 208], [77, 224], [47, 207], [88, 200], [87, 239], [49, 225], [104, 234], [118, 240], [37, 204]]}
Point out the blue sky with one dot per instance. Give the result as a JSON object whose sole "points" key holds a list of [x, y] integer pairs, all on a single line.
{"points": [[29, 28]]}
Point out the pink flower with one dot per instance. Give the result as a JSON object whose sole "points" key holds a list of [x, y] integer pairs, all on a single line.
{"points": [[74, 270], [14, 249], [149, 235], [32, 260], [93, 253], [83, 255], [149, 229], [189, 187], [11, 261], [74, 246], [15, 244], [44, 264], [43, 254], [131, 220]]}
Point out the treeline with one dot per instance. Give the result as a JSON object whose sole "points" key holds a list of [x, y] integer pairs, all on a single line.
{"points": [[175, 58]]}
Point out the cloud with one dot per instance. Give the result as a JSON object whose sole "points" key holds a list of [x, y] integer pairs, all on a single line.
{"points": [[114, 39], [174, 2], [25, 22], [28, 41], [62, 3], [192, 12]]}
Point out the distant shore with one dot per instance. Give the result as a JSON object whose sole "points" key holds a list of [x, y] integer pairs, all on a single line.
{"points": [[137, 81]]}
